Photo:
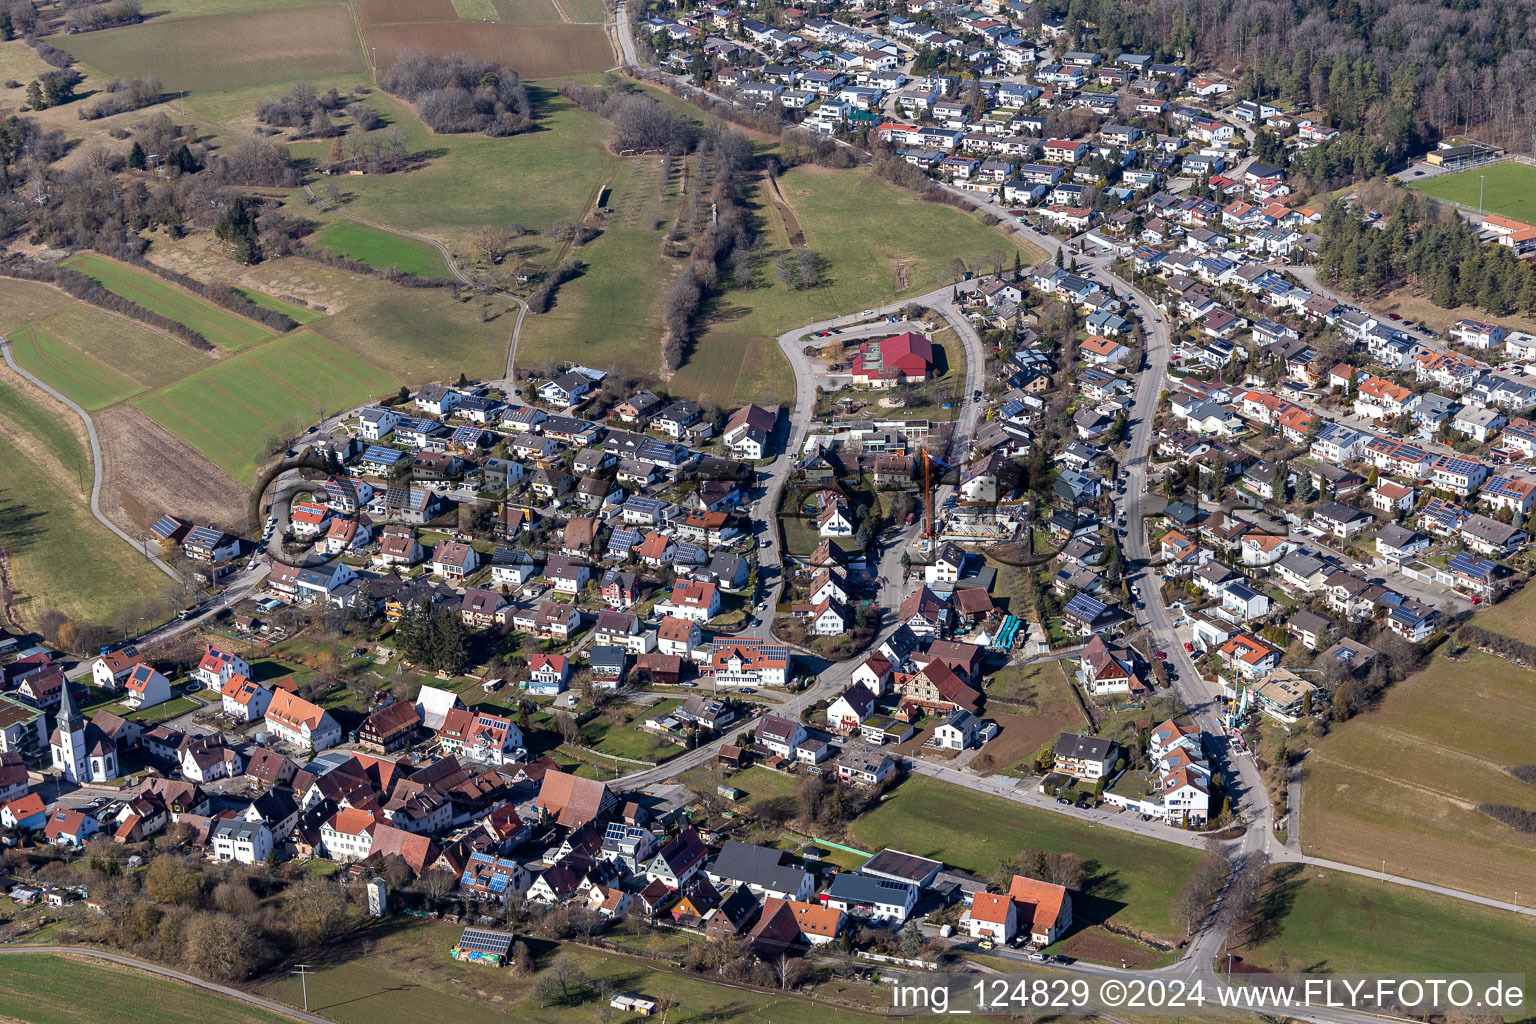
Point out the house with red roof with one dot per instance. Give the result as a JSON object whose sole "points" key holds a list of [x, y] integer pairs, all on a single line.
{"points": [[886, 362], [218, 666]]}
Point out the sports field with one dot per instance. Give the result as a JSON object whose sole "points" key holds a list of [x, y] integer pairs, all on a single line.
{"points": [[1508, 188], [224, 329], [1402, 783], [227, 51], [232, 409], [45, 989], [1326, 921], [383, 249], [1132, 880]]}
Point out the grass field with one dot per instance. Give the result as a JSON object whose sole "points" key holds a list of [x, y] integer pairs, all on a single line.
{"points": [[230, 410], [530, 179], [224, 329], [1508, 188], [1132, 880], [207, 8], [383, 12], [542, 51], [45, 429], [93, 356], [383, 249], [296, 313], [1401, 783], [409, 976], [45, 989], [1327, 921], [735, 358], [227, 51], [527, 12], [61, 558]]}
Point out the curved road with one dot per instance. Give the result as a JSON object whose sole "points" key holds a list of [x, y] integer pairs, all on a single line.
{"points": [[174, 975], [96, 472]]}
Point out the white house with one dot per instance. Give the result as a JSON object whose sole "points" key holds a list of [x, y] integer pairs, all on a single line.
{"points": [[217, 666], [145, 688], [298, 722], [244, 842]]}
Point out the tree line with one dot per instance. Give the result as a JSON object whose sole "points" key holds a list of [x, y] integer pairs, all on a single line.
{"points": [[1426, 246]]}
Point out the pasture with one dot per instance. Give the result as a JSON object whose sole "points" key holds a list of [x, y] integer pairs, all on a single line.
{"points": [[609, 317], [1402, 782], [47, 989], [93, 356], [531, 179], [1132, 880], [383, 249], [60, 557], [546, 51], [1508, 188], [45, 430], [226, 330], [1328, 921], [233, 409], [227, 51], [299, 314]]}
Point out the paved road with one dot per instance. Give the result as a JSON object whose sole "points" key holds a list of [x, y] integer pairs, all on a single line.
{"points": [[174, 975], [96, 471]]}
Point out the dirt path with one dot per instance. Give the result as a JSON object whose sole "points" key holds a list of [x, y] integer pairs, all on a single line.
{"points": [[791, 223]]}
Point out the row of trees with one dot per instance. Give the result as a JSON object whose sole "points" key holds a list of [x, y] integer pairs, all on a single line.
{"points": [[122, 95]]}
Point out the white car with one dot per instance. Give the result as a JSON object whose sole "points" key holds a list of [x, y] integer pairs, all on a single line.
{"points": [[867, 312]]}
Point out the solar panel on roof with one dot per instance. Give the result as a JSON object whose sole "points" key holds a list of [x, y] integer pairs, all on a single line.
{"points": [[479, 940]]}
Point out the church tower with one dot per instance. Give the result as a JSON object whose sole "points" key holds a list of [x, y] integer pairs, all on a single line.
{"points": [[68, 741]]}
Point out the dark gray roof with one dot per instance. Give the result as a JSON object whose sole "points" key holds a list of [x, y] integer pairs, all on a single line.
{"points": [[743, 863], [908, 867], [1088, 748]]}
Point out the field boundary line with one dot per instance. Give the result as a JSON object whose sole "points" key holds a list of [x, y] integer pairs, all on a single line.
{"points": [[96, 466]]}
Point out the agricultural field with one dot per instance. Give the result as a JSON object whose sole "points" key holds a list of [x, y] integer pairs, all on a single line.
{"points": [[386, 12], [609, 317], [470, 180], [1508, 188], [544, 51], [47, 989], [60, 557], [93, 356], [1322, 920], [1032, 705], [224, 329], [1132, 881], [527, 12], [419, 334], [232, 410], [217, 52], [1368, 792], [146, 469], [383, 249]]}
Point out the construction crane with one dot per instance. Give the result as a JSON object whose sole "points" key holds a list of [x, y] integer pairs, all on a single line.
{"points": [[929, 459]]}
